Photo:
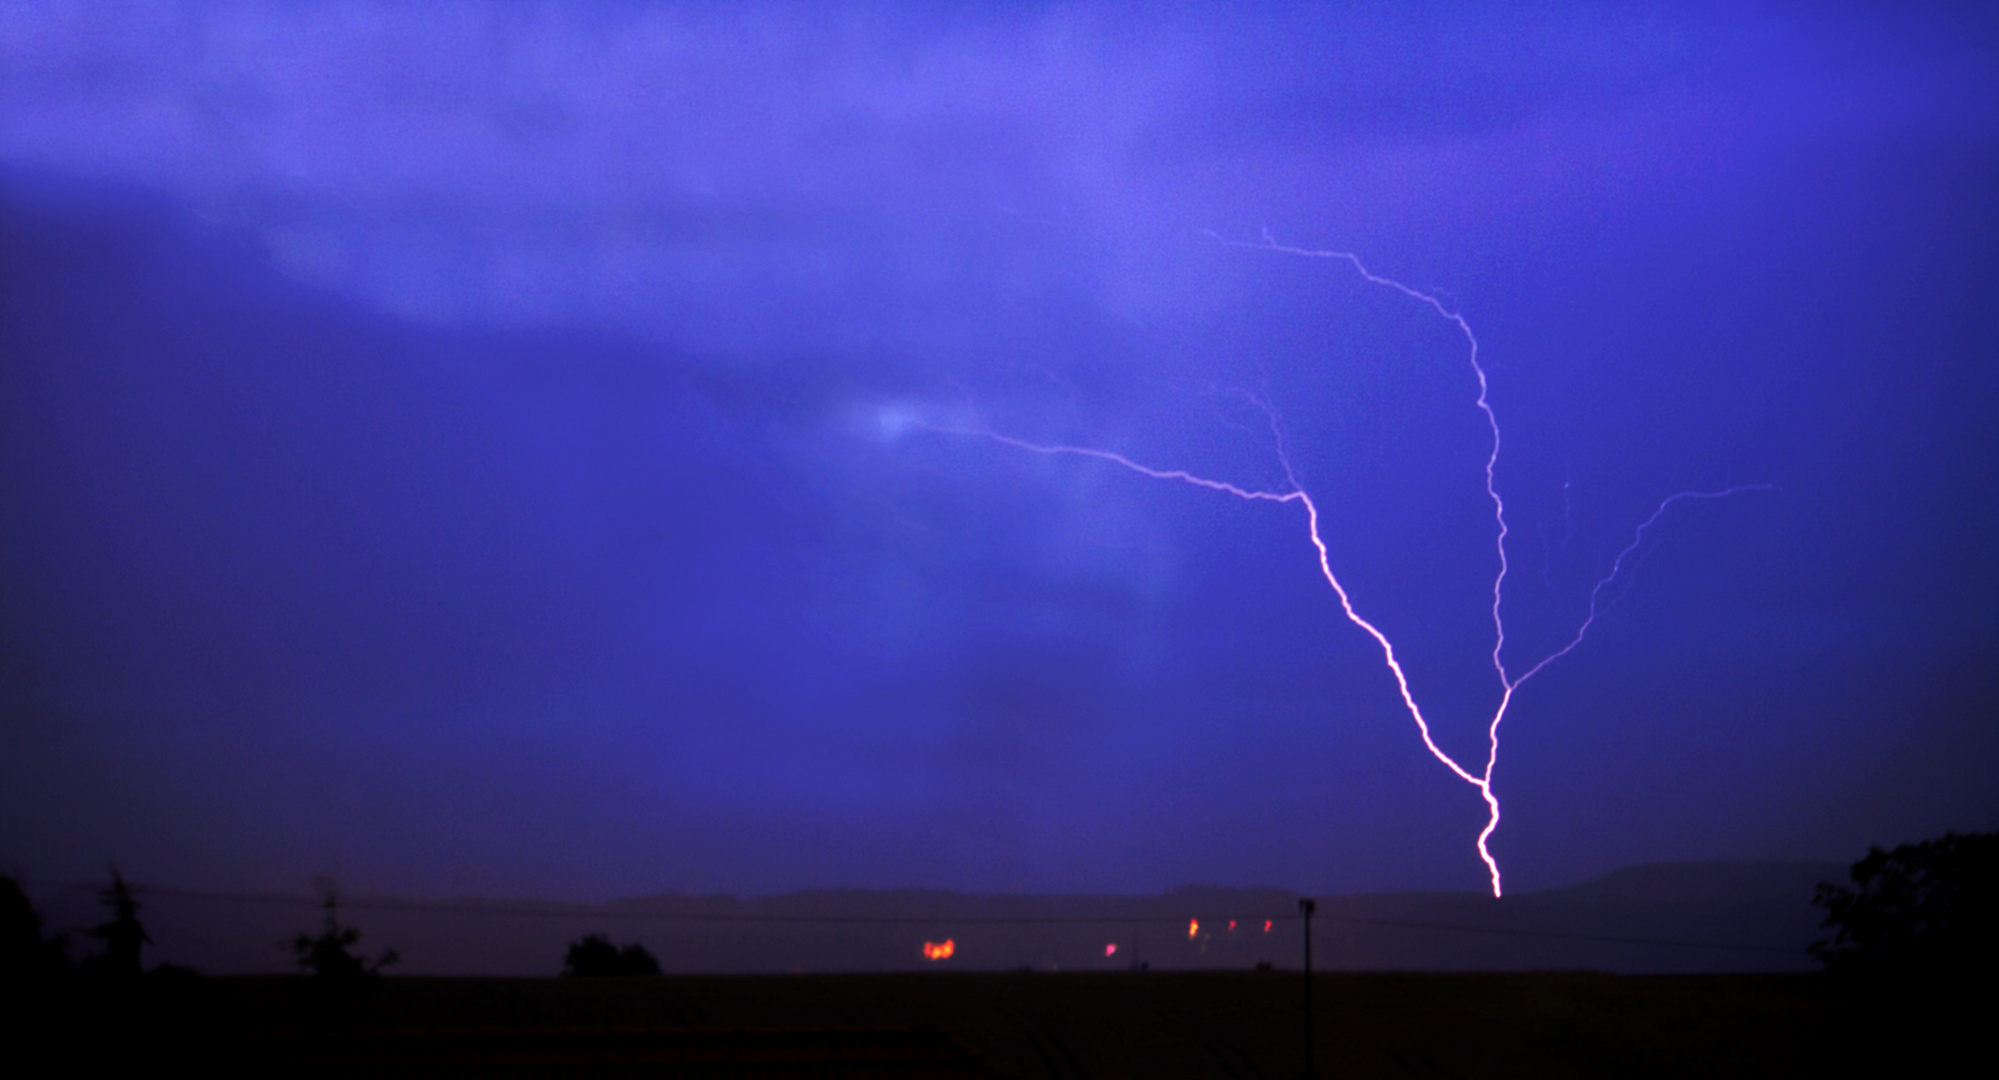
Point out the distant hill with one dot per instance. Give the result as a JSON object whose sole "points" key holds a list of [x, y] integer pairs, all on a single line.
{"points": [[1660, 917], [1638, 919]]}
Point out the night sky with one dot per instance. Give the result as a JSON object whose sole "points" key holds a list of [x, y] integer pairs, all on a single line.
{"points": [[524, 449]]}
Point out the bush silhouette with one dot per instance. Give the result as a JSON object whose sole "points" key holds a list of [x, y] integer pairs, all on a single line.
{"points": [[1921, 909], [329, 954], [25, 955], [594, 957]]}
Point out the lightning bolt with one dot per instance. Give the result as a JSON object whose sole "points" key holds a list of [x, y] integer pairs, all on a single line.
{"points": [[1509, 684]]}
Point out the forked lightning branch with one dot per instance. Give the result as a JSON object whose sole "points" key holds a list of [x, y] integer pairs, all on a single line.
{"points": [[1480, 778]]}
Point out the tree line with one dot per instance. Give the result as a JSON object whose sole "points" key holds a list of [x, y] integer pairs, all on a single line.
{"points": [[331, 954], [1917, 911]]}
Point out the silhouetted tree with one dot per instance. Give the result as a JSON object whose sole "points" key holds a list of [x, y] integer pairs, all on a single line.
{"points": [[329, 955], [25, 955], [1922, 909], [594, 957], [123, 934]]}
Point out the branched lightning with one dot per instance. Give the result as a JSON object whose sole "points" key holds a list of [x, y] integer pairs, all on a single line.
{"points": [[1509, 684]]}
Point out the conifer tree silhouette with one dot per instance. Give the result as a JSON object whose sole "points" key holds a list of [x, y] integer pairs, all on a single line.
{"points": [[329, 954], [123, 934]]}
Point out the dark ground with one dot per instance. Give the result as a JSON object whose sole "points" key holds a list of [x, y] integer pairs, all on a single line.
{"points": [[1157, 1024]]}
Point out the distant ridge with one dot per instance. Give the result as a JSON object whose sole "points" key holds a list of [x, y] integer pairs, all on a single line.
{"points": [[1656, 917], [1704, 880]]}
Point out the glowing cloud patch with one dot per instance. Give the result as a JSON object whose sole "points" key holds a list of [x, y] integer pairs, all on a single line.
{"points": [[934, 951]]}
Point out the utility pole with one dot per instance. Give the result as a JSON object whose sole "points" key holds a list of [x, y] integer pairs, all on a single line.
{"points": [[1306, 906]]}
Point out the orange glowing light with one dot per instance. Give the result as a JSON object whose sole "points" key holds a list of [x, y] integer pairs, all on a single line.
{"points": [[1111, 949], [1266, 926], [934, 951], [1193, 927]]}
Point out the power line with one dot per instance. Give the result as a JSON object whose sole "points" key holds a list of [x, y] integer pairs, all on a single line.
{"points": [[449, 907], [460, 907]]}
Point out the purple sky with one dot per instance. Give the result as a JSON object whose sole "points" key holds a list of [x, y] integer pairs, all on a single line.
{"points": [[489, 448]]}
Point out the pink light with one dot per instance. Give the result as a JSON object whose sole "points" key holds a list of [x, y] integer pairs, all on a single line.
{"points": [[1266, 926], [1111, 949], [1509, 684], [1231, 924]]}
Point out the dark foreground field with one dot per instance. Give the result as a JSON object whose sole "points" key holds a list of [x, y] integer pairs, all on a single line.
{"points": [[1161, 1024]]}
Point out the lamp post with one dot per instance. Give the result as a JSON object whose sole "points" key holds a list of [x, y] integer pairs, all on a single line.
{"points": [[1306, 906]]}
